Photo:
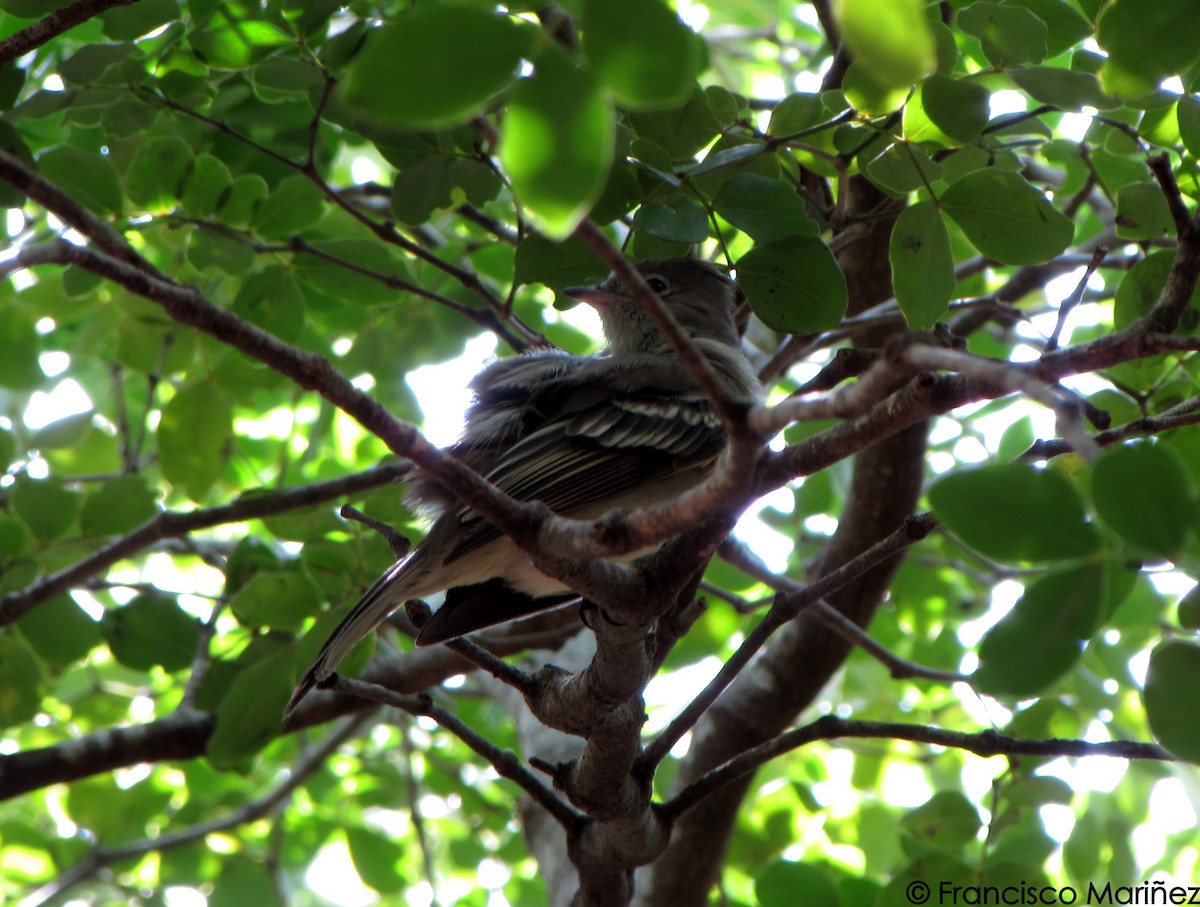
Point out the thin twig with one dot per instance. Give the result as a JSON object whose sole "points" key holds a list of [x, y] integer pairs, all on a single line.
{"points": [[985, 743], [899, 668], [505, 763], [101, 857], [785, 608]]}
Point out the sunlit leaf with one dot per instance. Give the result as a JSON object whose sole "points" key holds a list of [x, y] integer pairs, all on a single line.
{"points": [[411, 72], [557, 145]]}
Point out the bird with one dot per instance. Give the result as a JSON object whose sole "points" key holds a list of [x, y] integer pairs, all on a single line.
{"points": [[626, 427]]}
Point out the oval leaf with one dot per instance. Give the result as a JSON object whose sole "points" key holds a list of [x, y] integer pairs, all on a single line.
{"points": [[922, 265], [1014, 512], [151, 630], [434, 67], [763, 208], [890, 38], [1144, 493], [118, 506], [1042, 637], [641, 51], [794, 285], [558, 142], [1172, 698], [1009, 34], [1006, 218], [193, 435]]}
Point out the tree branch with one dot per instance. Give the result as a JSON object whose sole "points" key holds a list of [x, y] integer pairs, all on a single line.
{"points": [[59, 21], [984, 743]]}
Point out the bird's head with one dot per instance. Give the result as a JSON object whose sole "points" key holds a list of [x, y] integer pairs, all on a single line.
{"points": [[699, 294]]}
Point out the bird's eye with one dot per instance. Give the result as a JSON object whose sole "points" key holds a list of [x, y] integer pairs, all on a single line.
{"points": [[658, 285]]}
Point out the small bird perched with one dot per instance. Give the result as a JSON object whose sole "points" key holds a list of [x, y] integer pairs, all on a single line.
{"points": [[626, 427]]}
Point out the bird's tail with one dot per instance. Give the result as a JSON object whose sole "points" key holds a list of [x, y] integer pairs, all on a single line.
{"points": [[386, 594]]}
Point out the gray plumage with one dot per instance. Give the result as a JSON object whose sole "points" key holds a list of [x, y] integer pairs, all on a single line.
{"points": [[583, 434]]}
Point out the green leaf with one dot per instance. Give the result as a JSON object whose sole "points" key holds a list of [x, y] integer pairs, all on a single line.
{"points": [[1138, 293], [68, 431], [272, 300], [1172, 697], [946, 111], [232, 41], [1188, 113], [1065, 27], [1142, 212], [244, 881], [777, 885], [1146, 42], [158, 173], [279, 78], [296, 203], [208, 250], [242, 199], [797, 112], [1065, 89], [90, 179], [276, 600], [891, 38], [947, 821], [763, 208], [89, 64], [868, 96], [151, 630], [556, 264], [1010, 35], [20, 682], [377, 858], [249, 715], [1143, 492], [476, 180], [32, 9], [19, 346], [641, 51], [902, 168], [1042, 637], [421, 189], [557, 145], [59, 631], [681, 132], [922, 265], [193, 438], [1188, 610], [794, 284], [1013, 512], [131, 22], [117, 506], [8, 448], [336, 271], [1006, 218], [47, 506], [435, 66], [207, 183], [679, 220]]}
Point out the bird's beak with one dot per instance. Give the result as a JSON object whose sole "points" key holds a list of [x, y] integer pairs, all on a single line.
{"points": [[596, 297]]}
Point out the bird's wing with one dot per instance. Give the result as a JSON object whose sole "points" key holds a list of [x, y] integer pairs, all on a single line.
{"points": [[595, 449]]}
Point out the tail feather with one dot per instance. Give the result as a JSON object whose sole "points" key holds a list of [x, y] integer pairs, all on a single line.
{"points": [[386, 594]]}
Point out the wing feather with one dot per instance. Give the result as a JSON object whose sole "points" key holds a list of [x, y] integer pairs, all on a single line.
{"points": [[582, 457]]}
